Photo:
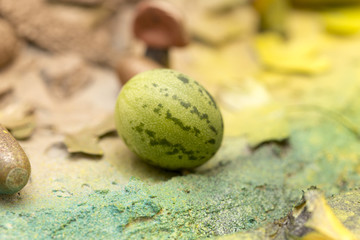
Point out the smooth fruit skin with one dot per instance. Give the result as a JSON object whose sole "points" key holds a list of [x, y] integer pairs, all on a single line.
{"points": [[168, 119], [14, 164]]}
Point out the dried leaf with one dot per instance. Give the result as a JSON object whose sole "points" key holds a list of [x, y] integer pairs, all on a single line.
{"points": [[83, 141], [87, 139], [261, 124], [290, 56], [104, 127], [342, 21], [323, 221]]}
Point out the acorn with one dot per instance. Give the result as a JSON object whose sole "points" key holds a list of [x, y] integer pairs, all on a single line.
{"points": [[160, 25], [15, 167]]}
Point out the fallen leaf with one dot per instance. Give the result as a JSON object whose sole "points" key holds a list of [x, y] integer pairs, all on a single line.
{"points": [[84, 142], [258, 124], [323, 221], [342, 21], [314, 219], [290, 56], [87, 140]]}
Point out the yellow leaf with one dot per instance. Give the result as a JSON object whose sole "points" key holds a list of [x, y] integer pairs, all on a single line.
{"points": [[342, 21], [323, 221], [290, 56], [258, 125]]}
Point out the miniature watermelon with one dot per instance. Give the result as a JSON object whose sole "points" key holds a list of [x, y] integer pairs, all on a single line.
{"points": [[168, 119]]}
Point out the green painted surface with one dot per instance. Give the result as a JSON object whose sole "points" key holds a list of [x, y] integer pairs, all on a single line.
{"points": [[242, 192]]}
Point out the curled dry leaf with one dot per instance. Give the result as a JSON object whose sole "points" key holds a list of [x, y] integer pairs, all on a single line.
{"points": [[19, 119], [314, 219], [64, 81], [87, 140]]}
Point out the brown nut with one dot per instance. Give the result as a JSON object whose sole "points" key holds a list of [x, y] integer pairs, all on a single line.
{"points": [[15, 167]]}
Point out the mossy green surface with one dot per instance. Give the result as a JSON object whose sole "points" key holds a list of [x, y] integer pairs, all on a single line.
{"points": [[243, 192]]}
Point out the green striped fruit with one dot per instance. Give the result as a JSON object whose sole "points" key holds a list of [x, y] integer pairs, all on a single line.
{"points": [[168, 119]]}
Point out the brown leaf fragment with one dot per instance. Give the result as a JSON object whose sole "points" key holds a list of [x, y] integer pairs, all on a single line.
{"points": [[87, 140], [106, 126], [84, 142]]}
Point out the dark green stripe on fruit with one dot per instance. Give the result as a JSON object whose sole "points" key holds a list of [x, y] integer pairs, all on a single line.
{"points": [[194, 109], [150, 133], [139, 128], [158, 109], [212, 101], [177, 121], [183, 78], [185, 104], [212, 128], [197, 131], [201, 116], [176, 148]]}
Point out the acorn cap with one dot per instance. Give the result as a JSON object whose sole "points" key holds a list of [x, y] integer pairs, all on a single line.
{"points": [[160, 25]]}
